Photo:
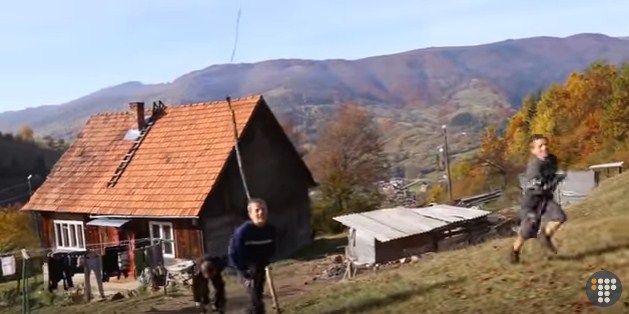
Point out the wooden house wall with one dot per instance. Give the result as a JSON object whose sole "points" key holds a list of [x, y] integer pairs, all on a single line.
{"points": [[408, 246], [48, 228], [369, 250], [279, 176], [187, 237], [188, 243], [274, 173]]}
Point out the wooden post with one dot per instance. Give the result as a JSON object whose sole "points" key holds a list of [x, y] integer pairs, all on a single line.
{"points": [[269, 279], [25, 295]]}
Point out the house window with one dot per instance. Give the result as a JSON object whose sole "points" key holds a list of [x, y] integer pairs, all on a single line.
{"points": [[69, 235], [163, 231]]}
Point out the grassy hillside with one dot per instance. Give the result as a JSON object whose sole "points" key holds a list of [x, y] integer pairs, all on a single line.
{"points": [[480, 279]]}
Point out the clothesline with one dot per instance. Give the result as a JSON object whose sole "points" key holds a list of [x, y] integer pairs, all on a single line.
{"points": [[38, 251], [123, 242]]}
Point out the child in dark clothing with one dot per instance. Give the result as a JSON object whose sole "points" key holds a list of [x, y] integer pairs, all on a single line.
{"points": [[538, 205], [251, 250], [209, 270]]}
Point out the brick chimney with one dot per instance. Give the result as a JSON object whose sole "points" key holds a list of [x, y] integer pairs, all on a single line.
{"points": [[139, 112]]}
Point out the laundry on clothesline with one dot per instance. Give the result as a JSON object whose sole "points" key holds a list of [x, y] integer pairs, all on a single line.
{"points": [[61, 267], [8, 265], [118, 259], [92, 262]]}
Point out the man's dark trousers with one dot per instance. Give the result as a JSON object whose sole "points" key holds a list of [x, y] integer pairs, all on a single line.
{"points": [[256, 291]]}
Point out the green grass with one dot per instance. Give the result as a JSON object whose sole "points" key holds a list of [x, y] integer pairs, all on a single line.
{"points": [[480, 280], [32, 281]]}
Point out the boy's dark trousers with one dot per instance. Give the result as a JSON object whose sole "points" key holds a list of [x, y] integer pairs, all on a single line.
{"points": [[256, 291], [219, 291]]}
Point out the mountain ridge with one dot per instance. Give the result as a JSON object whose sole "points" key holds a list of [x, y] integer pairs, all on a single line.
{"points": [[429, 79]]}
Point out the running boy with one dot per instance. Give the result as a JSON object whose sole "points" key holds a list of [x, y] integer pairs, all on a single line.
{"points": [[538, 205], [251, 250]]}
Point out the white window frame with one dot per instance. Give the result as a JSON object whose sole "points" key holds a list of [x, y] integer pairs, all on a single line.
{"points": [[154, 240], [79, 234]]}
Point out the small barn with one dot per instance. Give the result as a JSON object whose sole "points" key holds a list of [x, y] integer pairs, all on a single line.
{"points": [[388, 234], [170, 174], [576, 186]]}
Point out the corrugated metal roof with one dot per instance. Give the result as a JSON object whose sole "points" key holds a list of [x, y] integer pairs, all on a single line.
{"points": [[608, 165], [399, 222], [451, 214]]}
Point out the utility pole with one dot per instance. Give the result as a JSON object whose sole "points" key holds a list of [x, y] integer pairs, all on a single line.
{"points": [[30, 187], [447, 160]]}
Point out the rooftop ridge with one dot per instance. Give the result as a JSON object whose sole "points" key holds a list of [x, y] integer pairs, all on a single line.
{"points": [[186, 105], [215, 102], [111, 113]]}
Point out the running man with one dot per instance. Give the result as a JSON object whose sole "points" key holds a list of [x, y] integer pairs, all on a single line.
{"points": [[251, 250], [539, 209]]}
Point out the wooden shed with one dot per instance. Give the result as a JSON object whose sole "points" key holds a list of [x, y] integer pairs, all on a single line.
{"points": [[388, 234], [576, 186], [607, 170], [173, 176]]}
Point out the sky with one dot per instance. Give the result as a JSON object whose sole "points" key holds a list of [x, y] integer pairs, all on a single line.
{"points": [[52, 52]]}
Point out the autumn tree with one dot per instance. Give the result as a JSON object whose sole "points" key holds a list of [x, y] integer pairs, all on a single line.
{"points": [[26, 134], [436, 193], [615, 118], [586, 120], [347, 162], [17, 231]]}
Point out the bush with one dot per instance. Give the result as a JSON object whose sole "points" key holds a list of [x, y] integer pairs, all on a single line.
{"points": [[325, 209], [17, 231]]}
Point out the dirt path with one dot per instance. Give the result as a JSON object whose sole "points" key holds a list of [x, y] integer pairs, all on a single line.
{"points": [[291, 281]]}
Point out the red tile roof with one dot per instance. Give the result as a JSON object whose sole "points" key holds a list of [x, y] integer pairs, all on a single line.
{"points": [[171, 173]]}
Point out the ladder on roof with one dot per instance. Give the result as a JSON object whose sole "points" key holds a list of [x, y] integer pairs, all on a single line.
{"points": [[127, 158]]}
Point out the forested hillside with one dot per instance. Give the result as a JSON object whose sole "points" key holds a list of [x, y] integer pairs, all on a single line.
{"points": [[586, 119], [22, 155]]}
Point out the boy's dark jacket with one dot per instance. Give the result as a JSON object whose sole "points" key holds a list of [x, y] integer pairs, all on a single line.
{"points": [[252, 247], [541, 177]]}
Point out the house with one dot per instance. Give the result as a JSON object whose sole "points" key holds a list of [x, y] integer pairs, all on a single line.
{"points": [[171, 173], [388, 234]]}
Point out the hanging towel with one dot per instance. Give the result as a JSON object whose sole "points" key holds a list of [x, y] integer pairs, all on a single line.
{"points": [[124, 260], [8, 265], [155, 255], [140, 261]]}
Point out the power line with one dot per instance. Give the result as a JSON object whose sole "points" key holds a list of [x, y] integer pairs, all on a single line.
{"points": [[233, 114], [231, 60]]}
